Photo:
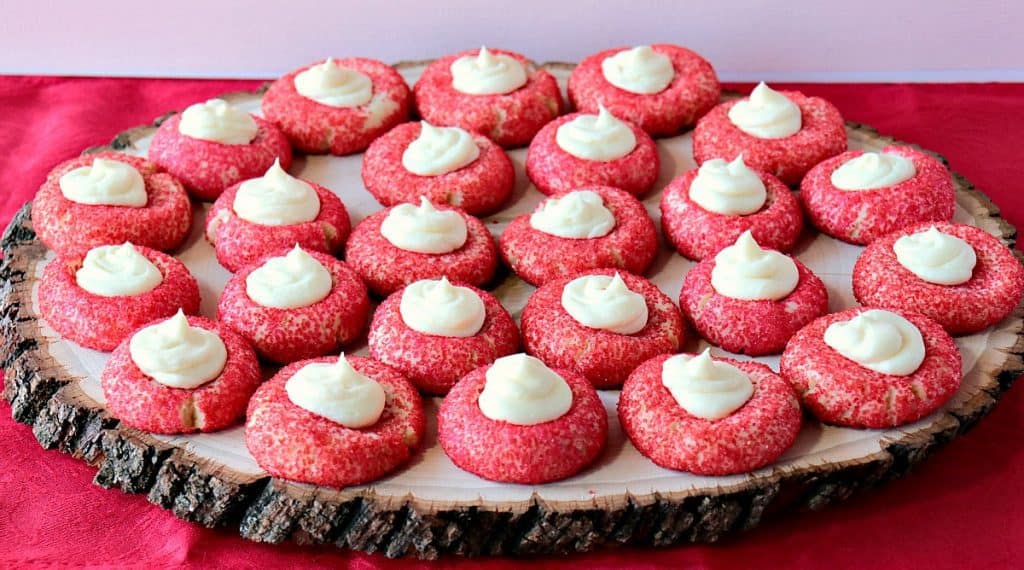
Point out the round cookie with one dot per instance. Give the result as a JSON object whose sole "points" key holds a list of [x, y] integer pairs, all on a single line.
{"points": [[525, 454], [479, 188], [287, 335], [753, 436], [993, 291], [554, 170], [822, 135], [239, 242], [604, 357], [698, 233], [141, 402], [862, 216], [539, 257], [71, 229], [316, 128], [206, 167], [691, 94], [510, 119], [296, 444], [840, 391]]}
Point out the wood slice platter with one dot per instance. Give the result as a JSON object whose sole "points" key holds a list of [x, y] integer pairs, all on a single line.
{"points": [[430, 507]]}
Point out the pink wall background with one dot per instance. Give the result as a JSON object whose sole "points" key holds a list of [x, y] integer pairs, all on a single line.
{"points": [[865, 40]]}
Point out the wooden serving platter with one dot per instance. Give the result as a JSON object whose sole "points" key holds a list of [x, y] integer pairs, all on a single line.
{"points": [[430, 507]]}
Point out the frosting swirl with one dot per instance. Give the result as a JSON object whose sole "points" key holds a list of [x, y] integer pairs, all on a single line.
{"points": [[878, 340], [217, 121], [596, 137], [580, 214], [766, 114], [437, 307], [873, 170], [746, 271], [704, 387], [522, 390], [276, 199], [106, 182], [117, 271], [487, 73], [439, 150], [936, 257], [176, 354], [729, 188], [424, 228], [330, 84], [289, 281], [606, 303], [639, 70], [338, 392]]}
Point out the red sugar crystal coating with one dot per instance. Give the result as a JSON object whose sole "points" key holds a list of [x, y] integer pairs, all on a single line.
{"points": [[698, 233], [539, 257], [143, 403], [993, 291], [822, 135], [510, 453], [840, 391], [206, 168], [479, 188], [101, 323], [750, 327], [434, 363], [554, 170], [386, 268], [294, 443], [510, 120], [862, 216], [240, 242], [693, 92], [751, 437], [605, 358], [287, 335], [72, 229], [316, 128]]}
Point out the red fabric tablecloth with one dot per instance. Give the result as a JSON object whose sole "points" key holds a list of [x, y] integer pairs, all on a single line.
{"points": [[960, 509]]}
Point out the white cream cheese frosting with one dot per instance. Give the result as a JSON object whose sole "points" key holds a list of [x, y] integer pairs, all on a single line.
{"points": [[117, 271], [746, 271], [105, 182], [878, 340], [766, 114], [606, 303], [217, 121], [439, 150], [424, 228], [290, 281], [936, 256], [338, 392], [580, 214], [437, 307], [330, 84], [487, 73], [639, 70], [729, 188], [873, 170], [522, 390], [704, 387], [276, 199], [176, 354], [600, 137]]}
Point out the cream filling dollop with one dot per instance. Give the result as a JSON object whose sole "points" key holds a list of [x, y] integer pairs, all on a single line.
{"points": [[437, 307], [487, 73], [639, 70], [766, 114], [176, 354], [878, 340], [873, 170], [330, 84], [439, 150], [276, 199], [105, 182], [522, 390], [704, 387], [936, 257], [336, 391], [746, 271], [424, 228], [580, 214], [289, 281], [729, 188], [596, 137], [606, 303], [217, 121], [117, 271]]}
